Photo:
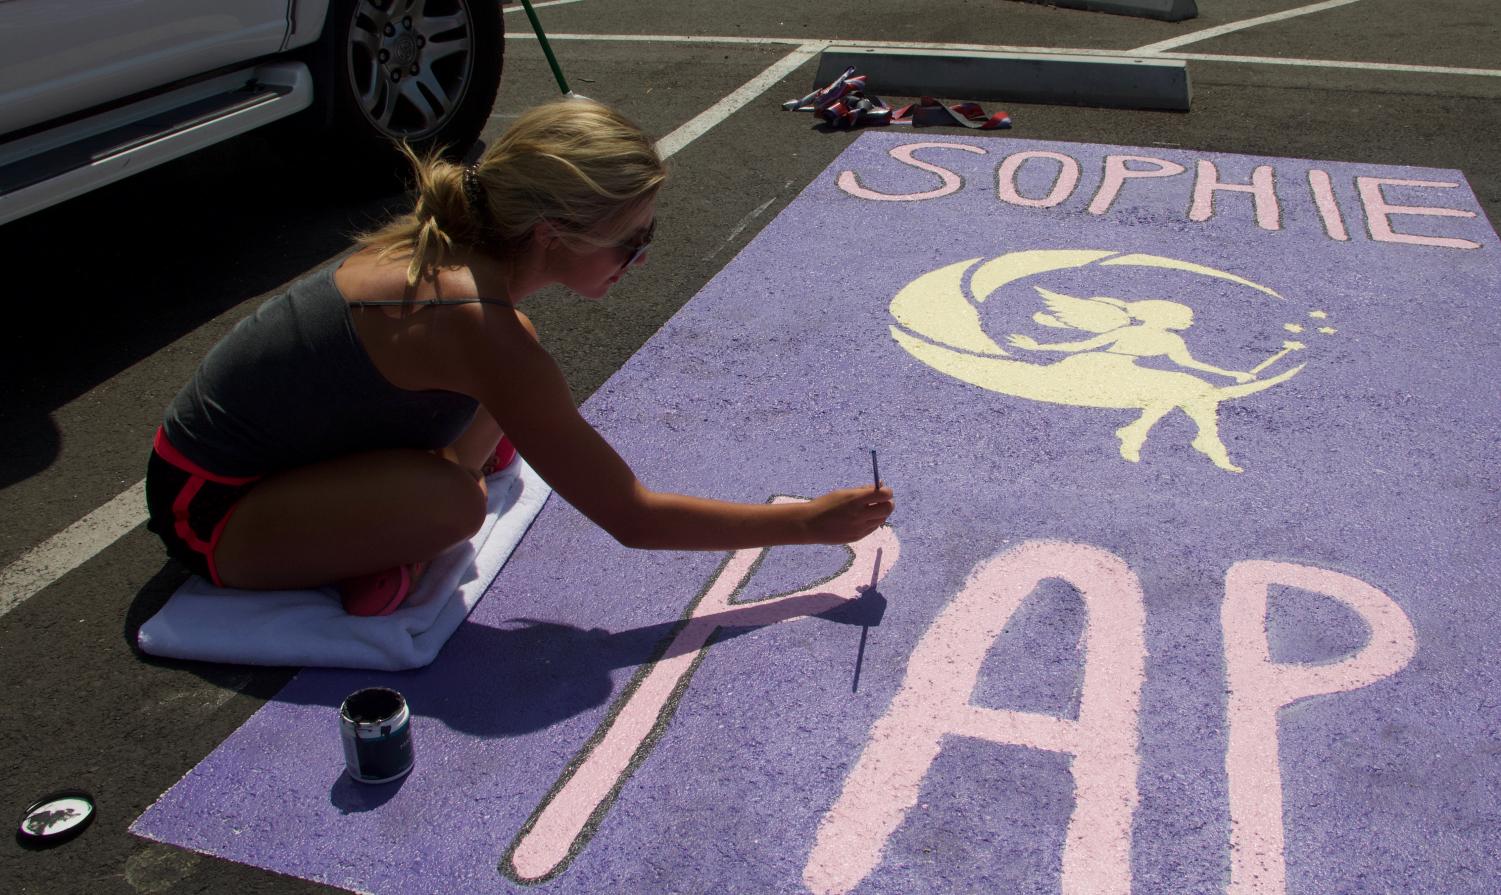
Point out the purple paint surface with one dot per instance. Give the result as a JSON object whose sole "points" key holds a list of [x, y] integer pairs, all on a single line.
{"points": [[1379, 461]]}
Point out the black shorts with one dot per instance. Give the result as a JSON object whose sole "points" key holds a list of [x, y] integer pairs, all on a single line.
{"points": [[188, 506]]}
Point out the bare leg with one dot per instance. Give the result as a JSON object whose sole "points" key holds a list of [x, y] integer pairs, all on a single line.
{"points": [[322, 523], [1134, 435], [477, 444], [1206, 415]]}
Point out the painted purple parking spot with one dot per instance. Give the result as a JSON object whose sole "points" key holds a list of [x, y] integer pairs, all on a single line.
{"points": [[1189, 588]]}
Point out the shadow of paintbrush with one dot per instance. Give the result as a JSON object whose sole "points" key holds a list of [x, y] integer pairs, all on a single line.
{"points": [[865, 610]]}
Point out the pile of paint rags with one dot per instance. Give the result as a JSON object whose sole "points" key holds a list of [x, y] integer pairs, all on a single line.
{"points": [[844, 103]]}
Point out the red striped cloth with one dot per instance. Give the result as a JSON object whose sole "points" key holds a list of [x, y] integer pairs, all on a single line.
{"points": [[844, 103]]}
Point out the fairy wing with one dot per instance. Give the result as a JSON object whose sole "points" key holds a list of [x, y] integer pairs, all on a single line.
{"points": [[1088, 314]]}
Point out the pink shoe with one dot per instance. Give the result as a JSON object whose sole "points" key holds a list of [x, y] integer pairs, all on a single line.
{"points": [[379, 593], [505, 455]]}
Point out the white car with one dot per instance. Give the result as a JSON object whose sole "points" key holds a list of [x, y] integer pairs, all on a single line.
{"points": [[94, 90]]}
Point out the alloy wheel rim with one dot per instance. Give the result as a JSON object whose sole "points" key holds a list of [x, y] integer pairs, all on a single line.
{"points": [[410, 62]]}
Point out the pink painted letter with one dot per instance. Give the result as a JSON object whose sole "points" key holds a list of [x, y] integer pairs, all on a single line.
{"points": [[951, 181], [1378, 213], [1261, 188], [563, 824], [1260, 687], [1116, 174], [1323, 197], [934, 702], [1063, 184]]}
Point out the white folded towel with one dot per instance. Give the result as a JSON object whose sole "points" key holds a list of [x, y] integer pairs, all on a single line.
{"points": [[310, 627]]}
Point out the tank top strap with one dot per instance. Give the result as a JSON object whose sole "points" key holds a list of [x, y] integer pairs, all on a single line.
{"points": [[429, 303]]}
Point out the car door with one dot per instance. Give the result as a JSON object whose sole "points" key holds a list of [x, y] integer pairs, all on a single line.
{"points": [[64, 56]]}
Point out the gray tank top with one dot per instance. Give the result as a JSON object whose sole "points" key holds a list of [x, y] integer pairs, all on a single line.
{"points": [[292, 385]]}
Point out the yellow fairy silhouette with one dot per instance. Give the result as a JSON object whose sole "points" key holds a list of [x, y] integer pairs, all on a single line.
{"points": [[1106, 363]]}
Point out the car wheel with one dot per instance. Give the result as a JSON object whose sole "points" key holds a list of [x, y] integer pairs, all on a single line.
{"points": [[422, 71]]}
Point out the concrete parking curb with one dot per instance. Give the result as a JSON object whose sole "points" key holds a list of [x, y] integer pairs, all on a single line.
{"points": [[1167, 10], [1050, 78]]}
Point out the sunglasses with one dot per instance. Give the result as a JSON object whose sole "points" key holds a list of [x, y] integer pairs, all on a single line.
{"points": [[639, 246]]}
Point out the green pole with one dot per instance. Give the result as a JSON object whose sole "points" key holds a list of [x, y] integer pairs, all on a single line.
{"points": [[546, 49]]}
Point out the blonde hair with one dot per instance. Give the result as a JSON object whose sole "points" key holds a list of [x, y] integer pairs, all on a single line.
{"points": [[574, 163]]}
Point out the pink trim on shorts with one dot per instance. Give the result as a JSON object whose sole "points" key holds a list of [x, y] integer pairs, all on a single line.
{"points": [[213, 544], [197, 476], [172, 455]]}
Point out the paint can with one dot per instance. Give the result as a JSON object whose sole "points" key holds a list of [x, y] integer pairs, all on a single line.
{"points": [[375, 726]]}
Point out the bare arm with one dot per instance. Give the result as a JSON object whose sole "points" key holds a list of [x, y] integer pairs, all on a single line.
{"points": [[522, 388], [1020, 341], [1180, 356]]}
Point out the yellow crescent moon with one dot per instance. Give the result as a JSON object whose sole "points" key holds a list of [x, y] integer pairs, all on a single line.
{"points": [[935, 304], [1174, 264], [939, 325]]}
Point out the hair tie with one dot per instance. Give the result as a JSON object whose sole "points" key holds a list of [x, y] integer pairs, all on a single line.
{"points": [[475, 194]]}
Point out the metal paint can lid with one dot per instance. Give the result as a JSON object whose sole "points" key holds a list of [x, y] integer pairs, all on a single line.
{"points": [[54, 819]]}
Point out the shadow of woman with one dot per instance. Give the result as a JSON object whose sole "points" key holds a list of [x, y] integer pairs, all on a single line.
{"points": [[506, 681], [530, 674]]}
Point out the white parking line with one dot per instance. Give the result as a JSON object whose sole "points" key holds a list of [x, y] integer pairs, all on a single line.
{"points": [[665, 38], [741, 225], [726, 107], [1207, 33], [519, 8], [71, 547], [1003, 48], [1337, 63], [795, 41]]}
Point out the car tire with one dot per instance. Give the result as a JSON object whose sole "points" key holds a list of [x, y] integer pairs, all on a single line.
{"points": [[421, 71]]}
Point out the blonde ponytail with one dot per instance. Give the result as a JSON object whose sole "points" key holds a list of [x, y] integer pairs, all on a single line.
{"points": [[439, 222], [575, 164]]}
